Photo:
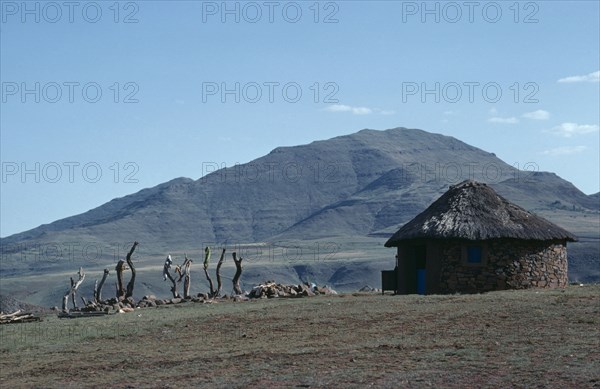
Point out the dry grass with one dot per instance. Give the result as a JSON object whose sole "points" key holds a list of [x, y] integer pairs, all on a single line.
{"points": [[534, 338]]}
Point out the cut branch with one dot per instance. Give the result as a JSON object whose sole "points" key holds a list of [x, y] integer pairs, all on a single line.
{"points": [[73, 295], [206, 260], [18, 317], [238, 273], [131, 283], [219, 281], [120, 268], [167, 275], [98, 290], [186, 282], [72, 290]]}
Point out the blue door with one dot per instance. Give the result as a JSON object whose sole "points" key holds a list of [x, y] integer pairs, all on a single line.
{"points": [[420, 266], [420, 281]]}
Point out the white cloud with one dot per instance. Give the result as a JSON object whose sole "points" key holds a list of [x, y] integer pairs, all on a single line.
{"points": [[510, 120], [338, 108], [569, 130], [497, 119], [361, 110], [347, 108], [564, 150], [357, 110], [591, 77], [449, 113], [540, 114]]}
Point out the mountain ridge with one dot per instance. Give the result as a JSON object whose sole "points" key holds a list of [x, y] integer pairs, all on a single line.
{"points": [[333, 202], [371, 169]]}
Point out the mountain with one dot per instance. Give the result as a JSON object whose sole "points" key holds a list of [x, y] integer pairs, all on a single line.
{"points": [[365, 184], [353, 184]]}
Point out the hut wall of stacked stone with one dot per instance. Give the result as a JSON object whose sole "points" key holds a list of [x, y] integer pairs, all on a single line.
{"points": [[508, 264]]}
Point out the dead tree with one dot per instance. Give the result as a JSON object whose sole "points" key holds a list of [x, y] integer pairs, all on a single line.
{"points": [[98, 287], [206, 259], [179, 271], [238, 273], [167, 275], [166, 267], [186, 281], [120, 268], [73, 299], [219, 282], [131, 283], [72, 290]]}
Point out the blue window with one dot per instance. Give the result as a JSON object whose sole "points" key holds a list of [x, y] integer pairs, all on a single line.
{"points": [[474, 254]]}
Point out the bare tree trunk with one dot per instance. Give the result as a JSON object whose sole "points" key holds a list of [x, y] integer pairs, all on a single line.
{"points": [[206, 259], [238, 273], [187, 279], [72, 290], [131, 283], [219, 282], [73, 300], [186, 286], [98, 290], [167, 274], [120, 268]]}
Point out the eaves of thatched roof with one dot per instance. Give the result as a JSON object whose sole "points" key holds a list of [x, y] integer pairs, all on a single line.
{"points": [[474, 211]]}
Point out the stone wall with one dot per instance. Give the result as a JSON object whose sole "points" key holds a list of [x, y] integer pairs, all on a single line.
{"points": [[507, 264]]}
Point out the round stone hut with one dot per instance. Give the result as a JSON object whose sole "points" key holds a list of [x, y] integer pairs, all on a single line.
{"points": [[473, 240]]}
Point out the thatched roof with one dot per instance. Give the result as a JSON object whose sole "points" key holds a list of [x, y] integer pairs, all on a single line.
{"points": [[474, 211]]}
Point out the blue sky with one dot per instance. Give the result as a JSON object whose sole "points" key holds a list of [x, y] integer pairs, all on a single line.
{"points": [[161, 67]]}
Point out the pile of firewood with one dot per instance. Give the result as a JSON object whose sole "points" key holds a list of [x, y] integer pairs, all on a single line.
{"points": [[18, 317], [109, 305], [122, 304], [152, 301], [272, 290]]}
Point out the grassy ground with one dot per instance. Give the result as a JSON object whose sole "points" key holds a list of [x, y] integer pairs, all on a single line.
{"points": [[534, 338]]}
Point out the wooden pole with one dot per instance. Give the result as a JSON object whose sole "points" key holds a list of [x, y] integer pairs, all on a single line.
{"points": [[206, 259], [219, 281], [131, 283], [187, 279], [72, 290], [167, 274], [98, 291], [73, 300], [238, 273], [120, 268]]}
